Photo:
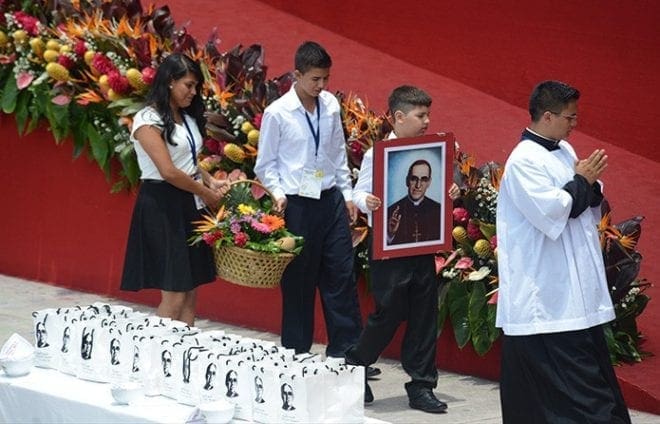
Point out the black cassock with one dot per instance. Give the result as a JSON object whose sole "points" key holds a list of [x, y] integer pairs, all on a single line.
{"points": [[418, 222]]}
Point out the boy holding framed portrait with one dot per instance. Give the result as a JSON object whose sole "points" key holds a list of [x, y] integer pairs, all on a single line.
{"points": [[404, 285]]}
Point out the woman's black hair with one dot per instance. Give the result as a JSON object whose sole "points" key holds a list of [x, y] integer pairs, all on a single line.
{"points": [[175, 67]]}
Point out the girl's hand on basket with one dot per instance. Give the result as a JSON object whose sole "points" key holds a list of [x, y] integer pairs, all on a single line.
{"points": [[211, 197], [221, 186]]}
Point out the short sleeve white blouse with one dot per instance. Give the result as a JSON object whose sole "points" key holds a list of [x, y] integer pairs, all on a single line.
{"points": [[181, 154]]}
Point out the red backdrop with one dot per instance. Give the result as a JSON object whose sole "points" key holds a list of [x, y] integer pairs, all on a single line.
{"points": [[608, 49]]}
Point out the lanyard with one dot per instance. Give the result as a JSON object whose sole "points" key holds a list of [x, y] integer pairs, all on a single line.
{"points": [[191, 142], [316, 134]]}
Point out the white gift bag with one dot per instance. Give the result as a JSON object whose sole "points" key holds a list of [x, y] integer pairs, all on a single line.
{"points": [[344, 394], [89, 354], [303, 394], [209, 374], [189, 392], [267, 401], [238, 384], [45, 322]]}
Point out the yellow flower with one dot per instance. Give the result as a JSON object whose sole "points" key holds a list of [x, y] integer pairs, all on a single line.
{"points": [[245, 209]]}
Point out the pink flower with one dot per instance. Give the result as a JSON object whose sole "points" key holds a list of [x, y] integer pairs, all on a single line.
{"points": [[260, 227], [257, 120], [212, 146], [461, 216], [24, 79], [118, 82], [493, 299], [148, 75], [464, 263], [493, 242], [80, 48], [102, 64], [66, 61], [28, 22], [473, 231], [61, 100], [210, 238], [241, 239], [441, 262]]}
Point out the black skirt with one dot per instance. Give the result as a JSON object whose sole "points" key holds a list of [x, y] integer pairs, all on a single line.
{"points": [[563, 378], [158, 255]]}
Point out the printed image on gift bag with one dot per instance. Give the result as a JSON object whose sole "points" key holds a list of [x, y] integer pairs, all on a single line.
{"points": [[68, 354], [266, 403], [189, 392], [45, 352], [303, 393], [209, 368], [122, 348], [238, 385]]}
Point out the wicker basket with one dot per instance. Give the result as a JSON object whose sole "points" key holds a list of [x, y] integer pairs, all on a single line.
{"points": [[247, 267]]}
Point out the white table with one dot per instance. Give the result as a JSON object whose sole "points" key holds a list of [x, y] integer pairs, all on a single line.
{"points": [[48, 396]]}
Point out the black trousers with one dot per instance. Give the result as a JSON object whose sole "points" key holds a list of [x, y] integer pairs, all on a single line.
{"points": [[405, 289], [562, 377], [326, 261]]}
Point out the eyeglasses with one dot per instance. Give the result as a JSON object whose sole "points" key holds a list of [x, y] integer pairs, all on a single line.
{"points": [[415, 179], [569, 118]]}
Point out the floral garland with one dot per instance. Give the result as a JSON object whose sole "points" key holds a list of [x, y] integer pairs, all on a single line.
{"points": [[85, 67]]}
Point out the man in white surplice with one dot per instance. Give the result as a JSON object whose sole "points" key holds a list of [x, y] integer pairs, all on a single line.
{"points": [[553, 294]]}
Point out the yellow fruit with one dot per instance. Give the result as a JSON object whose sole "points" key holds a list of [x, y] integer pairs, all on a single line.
{"points": [[247, 127], [460, 235], [134, 78], [112, 95], [234, 152], [57, 71], [286, 243], [65, 48], [51, 55], [3, 38], [37, 45], [53, 45], [19, 36], [103, 83], [482, 248], [89, 56], [253, 137]]}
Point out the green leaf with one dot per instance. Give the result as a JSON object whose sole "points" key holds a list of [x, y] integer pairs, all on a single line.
{"points": [[79, 121], [22, 110], [128, 161], [443, 307], [458, 298], [493, 331], [478, 317], [487, 230], [98, 145], [9, 94]]}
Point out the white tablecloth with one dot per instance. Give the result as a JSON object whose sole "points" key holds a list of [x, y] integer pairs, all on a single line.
{"points": [[48, 396]]}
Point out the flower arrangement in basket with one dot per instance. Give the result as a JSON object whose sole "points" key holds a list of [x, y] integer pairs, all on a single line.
{"points": [[252, 246]]}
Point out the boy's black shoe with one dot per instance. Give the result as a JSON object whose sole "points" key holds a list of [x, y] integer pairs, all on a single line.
{"points": [[372, 372], [424, 400]]}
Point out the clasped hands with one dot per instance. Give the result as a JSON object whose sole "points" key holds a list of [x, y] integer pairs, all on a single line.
{"points": [[592, 167]]}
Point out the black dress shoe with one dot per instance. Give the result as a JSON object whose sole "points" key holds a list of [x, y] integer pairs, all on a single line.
{"points": [[425, 400], [372, 372]]}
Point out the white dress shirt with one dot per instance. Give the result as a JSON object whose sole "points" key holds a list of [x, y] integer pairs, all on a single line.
{"points": [[286, 146], [365, 182], [551, 271]]}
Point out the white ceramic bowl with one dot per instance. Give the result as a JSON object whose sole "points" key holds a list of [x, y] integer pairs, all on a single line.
{"points": [[127, 393], [17, 367], [218, 412]]}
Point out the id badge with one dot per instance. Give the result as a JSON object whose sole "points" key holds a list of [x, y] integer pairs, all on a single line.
{"points": [[199, 203], [310, 183]]}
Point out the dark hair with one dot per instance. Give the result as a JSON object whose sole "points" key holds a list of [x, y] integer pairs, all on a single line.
{"points": [[311, 55], [414, 164], [406, 97], [551, 96], [175, 67]]}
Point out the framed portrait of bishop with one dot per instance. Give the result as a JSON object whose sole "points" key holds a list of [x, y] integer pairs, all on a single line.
{"points": [[412, 177]]}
